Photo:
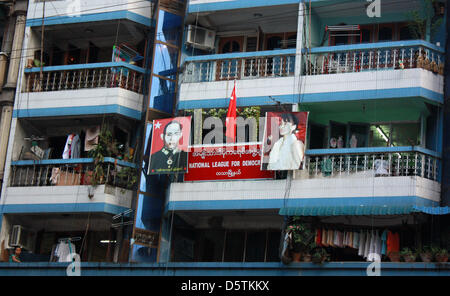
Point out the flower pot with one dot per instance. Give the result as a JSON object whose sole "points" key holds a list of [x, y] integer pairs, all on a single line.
{"points": [[426, 257], [306, 258], [409, 258], [394, 256], [296, 256], [441, 258]]}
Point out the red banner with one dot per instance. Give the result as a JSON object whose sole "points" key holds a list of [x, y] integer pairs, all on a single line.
{"points": [[239, 161]]}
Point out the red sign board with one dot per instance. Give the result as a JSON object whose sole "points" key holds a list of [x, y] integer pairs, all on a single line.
{"points": [[239, 161]]}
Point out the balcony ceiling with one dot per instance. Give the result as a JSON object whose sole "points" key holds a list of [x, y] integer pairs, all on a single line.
{"points": [[101, 34], [273, 19], [63, 222]]}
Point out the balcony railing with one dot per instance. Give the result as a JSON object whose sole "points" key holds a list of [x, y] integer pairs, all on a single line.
{"points": [[248, 65], [59, 172], [83, 76], [394, 161], [375, 56]]}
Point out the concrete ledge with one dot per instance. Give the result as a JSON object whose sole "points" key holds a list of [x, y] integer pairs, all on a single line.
{"points": [[226, 269]]}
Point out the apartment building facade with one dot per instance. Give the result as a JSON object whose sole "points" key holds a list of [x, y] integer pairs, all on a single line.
{"points": [[371, 78]]}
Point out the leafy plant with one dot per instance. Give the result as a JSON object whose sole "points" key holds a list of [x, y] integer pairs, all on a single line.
{"points": [[418, 20], [106, 147], [320, 255], [408, 254], [302, 236]]}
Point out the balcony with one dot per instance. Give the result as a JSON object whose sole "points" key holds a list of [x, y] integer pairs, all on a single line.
{"points": [[83, 89], [71, 172], [375, 57], [69, 185], [96, 75], [249, 65], [206, 79], [383, 180]]}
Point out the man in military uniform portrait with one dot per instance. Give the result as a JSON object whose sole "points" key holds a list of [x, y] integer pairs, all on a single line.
{"points": [[171, 158]]}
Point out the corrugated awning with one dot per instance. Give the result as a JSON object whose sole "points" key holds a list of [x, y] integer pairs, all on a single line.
{"points": [[356, 206], [433, 210]]}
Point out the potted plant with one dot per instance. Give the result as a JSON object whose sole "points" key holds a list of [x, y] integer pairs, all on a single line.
{"points": [[319, 256], [441, 255], [394, 256], [408, 255], [302, 237], [426, 253]]}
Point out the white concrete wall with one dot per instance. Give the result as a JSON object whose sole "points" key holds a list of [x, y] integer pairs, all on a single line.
{"points": [[74, 8], [66, 195], [244, 88], [329, 83], [80, 98], [373, 80], [326, 187]]}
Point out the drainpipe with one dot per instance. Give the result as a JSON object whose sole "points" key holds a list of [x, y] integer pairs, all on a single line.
{"points": [[8, 92]]}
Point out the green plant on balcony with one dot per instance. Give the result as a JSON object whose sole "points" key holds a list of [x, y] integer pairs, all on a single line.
{"points": [[320, 255], [408, 255], [106, 147], [440, 254], [418, 20], [426, 253], [302, 237]]}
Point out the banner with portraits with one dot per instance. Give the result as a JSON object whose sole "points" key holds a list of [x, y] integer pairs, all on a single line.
{"points": [[284, 141], [169, 145]]}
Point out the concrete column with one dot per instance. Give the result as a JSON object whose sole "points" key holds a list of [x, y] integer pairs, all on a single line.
{"points": [[5, 126], [298, 54], [299, 47], [16, 52], [6, 50]]}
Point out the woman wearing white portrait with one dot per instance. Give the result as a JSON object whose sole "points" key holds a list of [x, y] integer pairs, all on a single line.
{"points": [[287, 153]]}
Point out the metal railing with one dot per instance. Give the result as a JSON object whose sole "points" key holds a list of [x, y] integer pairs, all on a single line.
{"points": [[71, 173], [406, 163], [101, 75], [239, 66], [371, 57]]}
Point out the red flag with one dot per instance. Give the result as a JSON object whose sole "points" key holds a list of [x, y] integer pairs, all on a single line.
{"points": [[230, 123]]}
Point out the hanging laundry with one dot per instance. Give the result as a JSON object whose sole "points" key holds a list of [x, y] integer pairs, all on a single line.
{"points": [[362, 243], [63, 250], [91, 139], [356, 240], [393, 242], [67, 147], [75, 147], [54, 178], [384, 242], [318, 239], [324, 237], [367, 245]]}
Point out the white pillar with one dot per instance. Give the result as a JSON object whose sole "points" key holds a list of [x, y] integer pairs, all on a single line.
{"points": [[298, 54]]}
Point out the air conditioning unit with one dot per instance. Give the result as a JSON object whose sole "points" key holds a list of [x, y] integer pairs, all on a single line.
{"points": [[200, 38], [21, 237]]}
